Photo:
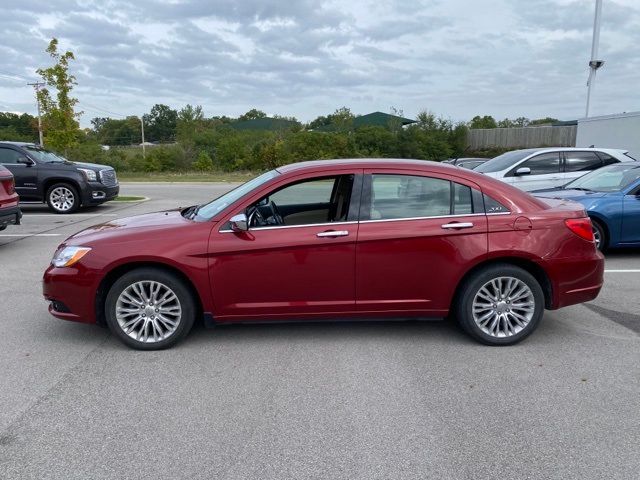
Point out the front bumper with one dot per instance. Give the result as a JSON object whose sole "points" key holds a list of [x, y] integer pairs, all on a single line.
{"points": [[96, 193], [10, 216], [72, 293]]}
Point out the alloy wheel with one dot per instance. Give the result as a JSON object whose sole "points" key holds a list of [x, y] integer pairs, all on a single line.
{"points": [[148, 311], [597, 236], [62, 199], [503, 307]]}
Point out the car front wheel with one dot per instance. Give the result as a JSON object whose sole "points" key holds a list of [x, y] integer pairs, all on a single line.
{"points": [[500, 305], [149, 309], [63, 198]]}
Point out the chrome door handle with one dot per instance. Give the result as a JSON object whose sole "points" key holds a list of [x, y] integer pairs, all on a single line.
{"points": [[458, 225], [333, 233]]}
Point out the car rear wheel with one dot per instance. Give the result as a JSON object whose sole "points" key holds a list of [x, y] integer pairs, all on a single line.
{"points": [[500, 305], [599, 236], [150, 309], [63, 198]]}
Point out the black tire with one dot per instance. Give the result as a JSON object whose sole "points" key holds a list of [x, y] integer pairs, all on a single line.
{"points": [[169, 280], [463, 305], [599, 235], [70, 194], [2, 227]]}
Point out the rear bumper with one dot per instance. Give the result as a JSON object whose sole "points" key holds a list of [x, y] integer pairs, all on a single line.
{"points": [[575, 280], [10, 216]]}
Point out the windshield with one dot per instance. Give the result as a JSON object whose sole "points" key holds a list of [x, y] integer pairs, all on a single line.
{"points": [[607, 179], [43, 155], [504, 161], [208, 210]]}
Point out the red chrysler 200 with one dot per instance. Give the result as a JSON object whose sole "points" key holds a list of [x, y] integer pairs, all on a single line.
{"points": [[348, 239]]}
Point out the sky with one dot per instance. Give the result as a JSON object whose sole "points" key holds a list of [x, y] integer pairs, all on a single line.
{"points": [[304, 58]]}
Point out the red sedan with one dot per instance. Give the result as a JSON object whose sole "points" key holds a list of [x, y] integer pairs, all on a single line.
{"points": [[334, 239]]}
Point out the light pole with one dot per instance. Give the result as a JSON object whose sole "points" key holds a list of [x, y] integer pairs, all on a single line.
{"points": [[594, 63], [144, 152], [37, 86]]}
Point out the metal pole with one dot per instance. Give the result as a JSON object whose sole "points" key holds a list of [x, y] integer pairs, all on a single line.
{"points": [[594, 63], [37, 86], [144, 153]]}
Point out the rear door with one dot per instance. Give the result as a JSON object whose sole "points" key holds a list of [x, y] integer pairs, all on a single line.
{"points": [[579, 163], [418, 234]]}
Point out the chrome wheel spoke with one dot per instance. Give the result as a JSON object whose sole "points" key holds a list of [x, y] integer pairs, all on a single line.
{"points": [[148, 311], [503, 307]]}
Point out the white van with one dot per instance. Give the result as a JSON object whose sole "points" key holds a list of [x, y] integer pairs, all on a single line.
{"points": [[536, 168]]}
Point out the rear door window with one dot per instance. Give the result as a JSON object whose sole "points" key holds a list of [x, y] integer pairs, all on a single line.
{"points": [[581, 161]]}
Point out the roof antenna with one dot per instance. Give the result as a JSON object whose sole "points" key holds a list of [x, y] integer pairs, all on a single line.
{"points": [[455, 160]]}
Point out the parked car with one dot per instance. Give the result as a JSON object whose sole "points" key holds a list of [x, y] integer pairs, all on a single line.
{"points": [[611, 197], [10, 213], [42, 176], [334, 239], [469, 162], [536, 168]]}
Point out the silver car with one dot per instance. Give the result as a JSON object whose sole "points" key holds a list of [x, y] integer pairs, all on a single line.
{"points": [[536, 168]]}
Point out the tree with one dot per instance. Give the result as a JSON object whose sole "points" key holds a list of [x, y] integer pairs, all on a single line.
{"points": [[60, 121], [189, 122], [544, 121], [160, 123], [252, 115], [483, 122], [342, 119]]}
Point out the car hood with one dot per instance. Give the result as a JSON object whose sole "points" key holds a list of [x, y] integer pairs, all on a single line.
{"points": [[138, 227], [92, 166], [567, 194]]}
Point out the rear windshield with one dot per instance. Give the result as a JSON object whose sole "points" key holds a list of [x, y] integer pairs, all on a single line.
{"points": [[504, 161]]}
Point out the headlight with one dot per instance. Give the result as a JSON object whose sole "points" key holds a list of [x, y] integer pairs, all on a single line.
{"points": [[69, 256], [89, 174]]}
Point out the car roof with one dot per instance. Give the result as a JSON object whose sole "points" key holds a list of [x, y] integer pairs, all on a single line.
{"points": [[314, 165], [19, 144]]}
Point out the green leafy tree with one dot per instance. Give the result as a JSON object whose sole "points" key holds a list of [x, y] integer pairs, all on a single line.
{"points": [[60, 120], [160, 124], [543, 121], [252, 115], [483, 122]]}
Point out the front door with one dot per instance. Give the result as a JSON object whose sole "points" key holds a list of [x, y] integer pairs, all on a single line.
{"points": [[631, 217], [297, 260], [417, 237], [26, 176]]}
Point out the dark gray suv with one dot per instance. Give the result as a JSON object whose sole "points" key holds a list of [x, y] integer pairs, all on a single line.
{"points": [[43, 176]]}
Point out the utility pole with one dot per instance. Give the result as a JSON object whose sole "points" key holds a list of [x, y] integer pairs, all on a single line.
{"points": [[594, 63], [143, 145], [36, 86]]}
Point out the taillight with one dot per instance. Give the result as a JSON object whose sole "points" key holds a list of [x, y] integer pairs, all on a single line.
{"points": [[9, 185], [581, 227]]}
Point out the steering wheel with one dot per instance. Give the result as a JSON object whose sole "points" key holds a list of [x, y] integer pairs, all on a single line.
{"points": [[275, 213], [257, 219]]}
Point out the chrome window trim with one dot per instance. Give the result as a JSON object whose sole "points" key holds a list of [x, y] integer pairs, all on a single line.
{"points": [[280, 227], [423, 218]]}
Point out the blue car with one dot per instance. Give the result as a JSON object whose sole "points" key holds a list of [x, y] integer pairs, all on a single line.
{"points": [[611, 197]]}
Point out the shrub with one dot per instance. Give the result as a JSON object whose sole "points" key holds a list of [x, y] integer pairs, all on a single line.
{"points": [[203, 162]]}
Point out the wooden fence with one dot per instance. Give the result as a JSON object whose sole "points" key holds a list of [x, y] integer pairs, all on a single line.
{"points": [[524, 137]]}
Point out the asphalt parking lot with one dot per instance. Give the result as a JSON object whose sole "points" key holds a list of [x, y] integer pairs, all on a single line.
{"points": [[338, 400]]}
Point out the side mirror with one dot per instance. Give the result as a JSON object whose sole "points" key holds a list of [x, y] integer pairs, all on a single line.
{"points": [[27, 161], [523, 171], [239, 223]]}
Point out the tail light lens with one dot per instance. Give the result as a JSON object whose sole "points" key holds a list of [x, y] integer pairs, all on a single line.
{"points": [[581, 227], [9, 185]]}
